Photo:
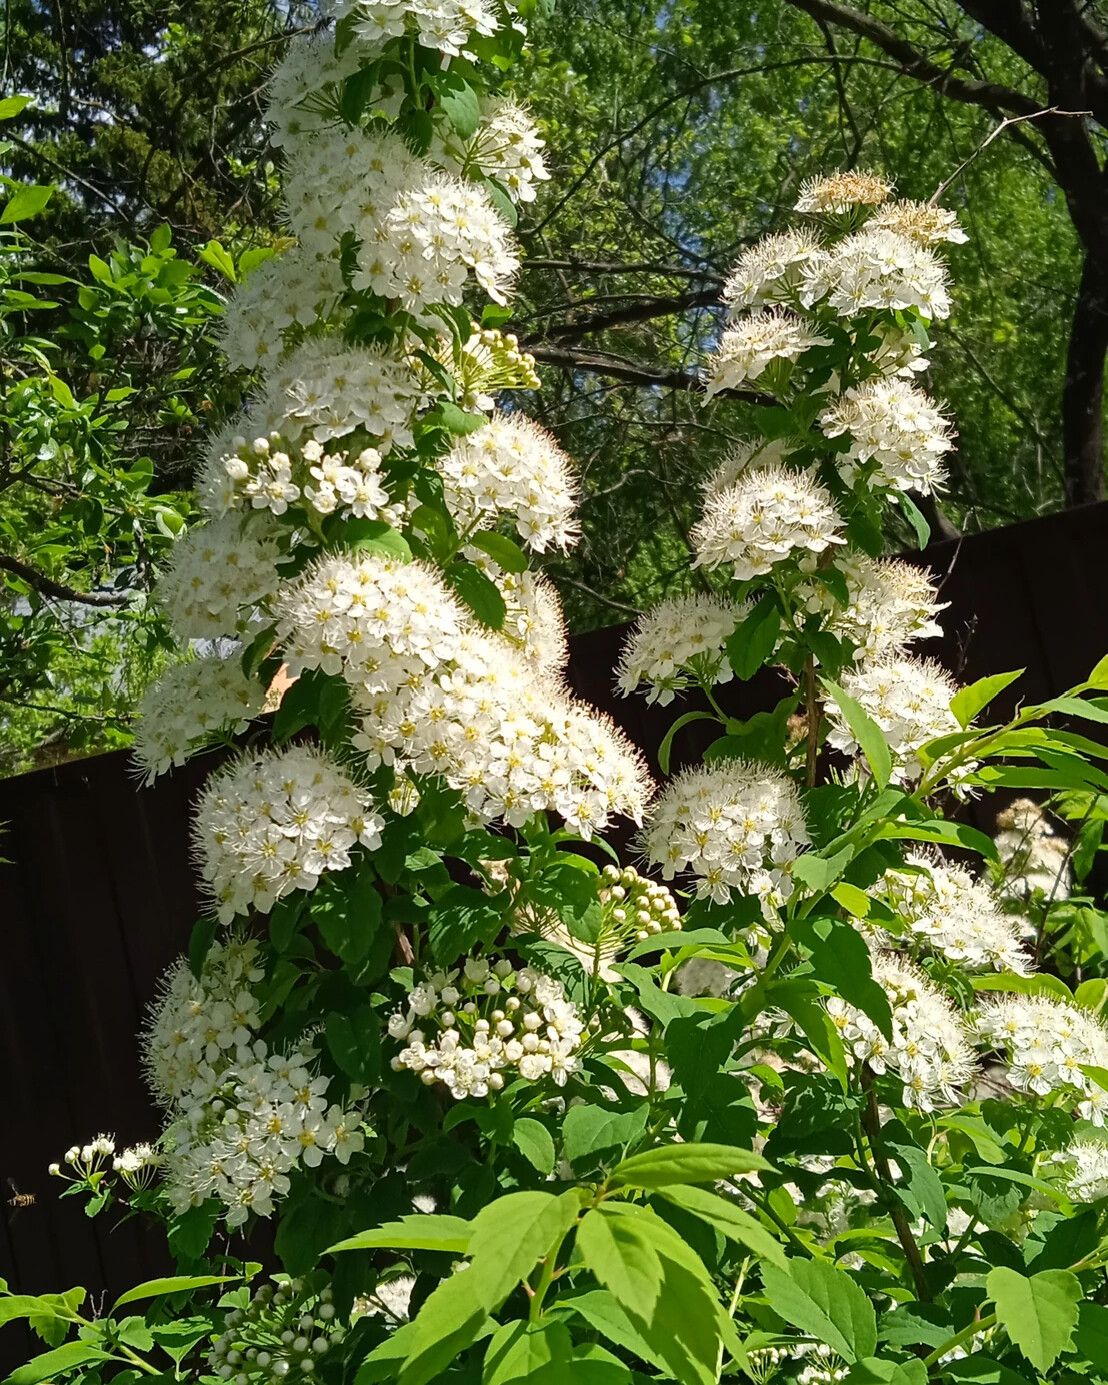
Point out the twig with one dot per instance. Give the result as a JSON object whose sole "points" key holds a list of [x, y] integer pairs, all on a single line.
{"points": [[56, 591], [1004, 124]]}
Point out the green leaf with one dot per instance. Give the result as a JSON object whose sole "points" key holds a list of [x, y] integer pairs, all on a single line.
{"points": [[1091, 1337], [375, 536], [511, 1235], [505, 552], [15, 1306], [940, 831], [685, 1163], [499, 198], [920, 1186], [841, 958], [354, 1040], [419, 1231], [155, 1288], [11, 106], [459, 101], [665, 750], [754, 639], [589, 1131], [870, 737], [817, 872], [603, 1312], [800, 1000], [26, 202], [53, 1363], [967, 702], [214, 254], [915, 518], [875, 1371], [1040, 983], [449, 1321], [200, 941], [1039, 1313], [519, 1351], [455, 420], [479, 593], [535, 1143], [823, 1301], [461, 919], [727, 1218], [348, 915]]}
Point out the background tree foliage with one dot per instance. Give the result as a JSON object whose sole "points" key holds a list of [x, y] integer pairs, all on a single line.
{"points": [[677, 134]]}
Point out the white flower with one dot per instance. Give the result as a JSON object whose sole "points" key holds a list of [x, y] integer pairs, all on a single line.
{"points": [[679, 644], [1046, 1043], [294, 289], [746, 454], [275, 822], [473, 1037], [769, 514], [877, 268], [909, 699], [930, 1052], [919, 221], [514, 468], [734, 826], [1088, 1181], [1034, 858], [189, 706], [771, 270], [506, 146], [840, 192], [895, 426], [442, 24], [219, 574], [488, 361], [533, 620], [891, 605], [954, 914], [751, 343], [305, 88]]}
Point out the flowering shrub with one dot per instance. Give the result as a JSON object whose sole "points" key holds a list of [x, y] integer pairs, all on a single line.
{"points": [[826, 1106]]}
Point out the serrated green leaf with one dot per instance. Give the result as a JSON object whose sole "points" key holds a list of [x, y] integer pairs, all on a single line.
{"points": [[685, 1163], [535, 1143], [967, 702], [726, 1217], [869, 736], [175, 1284], [419, 1231], [823, 1301], [1039, 1312]]}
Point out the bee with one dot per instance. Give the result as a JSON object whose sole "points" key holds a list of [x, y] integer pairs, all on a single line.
{"points": [[19, 1200]]}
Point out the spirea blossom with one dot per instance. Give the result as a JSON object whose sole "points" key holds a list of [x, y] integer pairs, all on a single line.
{"points": [[909, 699], [305, 88], [272, 473], [891, 605], [1088, 1171], [445, 25], [733, 826], [512, 468], [288, 291], [189, 706], [326, 390], [489, 361], [475, 1028], [280, 1334], [679, 644], [218, 574], [433, 235], [953, 914], [769, 514], [275, 822], [746, 454], [895, 426], [771, 270], [930, 1053], [752, 343], [506, 146], [1046, 1042], [241, 1117], [533, 620], [880, 269], [840, 192], [922, 222], [1034, 857]]}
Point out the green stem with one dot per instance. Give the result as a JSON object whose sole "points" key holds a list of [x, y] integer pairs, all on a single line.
{"points": [[967, 1333], [546, 1278]]}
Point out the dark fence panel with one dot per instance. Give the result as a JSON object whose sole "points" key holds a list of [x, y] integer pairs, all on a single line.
{"points": [[98, 897]]}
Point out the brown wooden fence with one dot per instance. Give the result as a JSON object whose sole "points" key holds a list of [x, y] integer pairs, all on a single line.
{"points": [[97, 895]]}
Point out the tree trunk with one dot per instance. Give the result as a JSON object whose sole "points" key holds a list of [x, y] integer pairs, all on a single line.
{"points": [[1083, 391]]}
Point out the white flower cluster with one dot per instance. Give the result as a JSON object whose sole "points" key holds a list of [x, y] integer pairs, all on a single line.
{"points": [[279, 1337], [218, 575], [271, 473], [189, 706], [752, 343], [771, 271], [506, 146], [746, 454], [633, 908], [734, 826], [679, 644], [240, 1116], [954, 914], [138, 1165], [1034, 857], [445, 25], [837, 193], [891, 604], [820, 1365], [512, 467], [878, 268], [270, 823], [769, 514], [909, 699], [439, 697], [930, 1053], [923, 222], [533, 622], [473, 1029], [1088, 1172], [1046, 1042], [488, 361], [304, 90], [898, 435], [292, 290]]}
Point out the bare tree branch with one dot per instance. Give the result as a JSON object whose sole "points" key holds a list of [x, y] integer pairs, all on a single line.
{"points": [[55, 591], [615, 368]]}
